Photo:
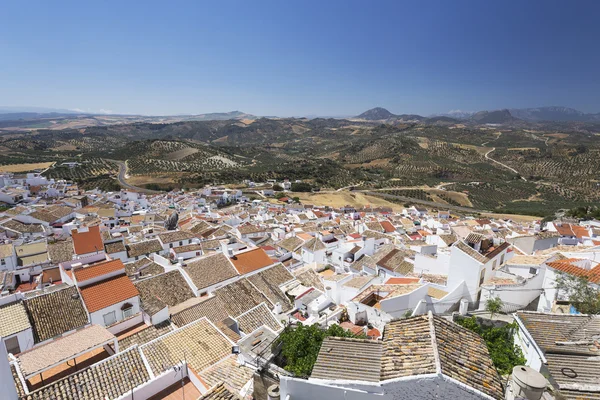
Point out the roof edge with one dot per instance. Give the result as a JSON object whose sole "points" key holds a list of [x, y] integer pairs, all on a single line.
{"points": [[436, 354]]}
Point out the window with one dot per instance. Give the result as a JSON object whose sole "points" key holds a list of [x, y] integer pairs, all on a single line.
{"points": [[482, 276], [170, 245], [533, 271], [3, 262], [128, 312], [181, 243], [502, 259], [12, 345], [110, 318]]}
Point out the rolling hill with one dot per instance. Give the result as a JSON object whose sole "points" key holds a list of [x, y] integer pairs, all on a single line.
{"points": [[555, 170]]}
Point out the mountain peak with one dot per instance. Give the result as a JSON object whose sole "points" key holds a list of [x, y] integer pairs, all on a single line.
{"points": [[375, 114], [493, 117]]}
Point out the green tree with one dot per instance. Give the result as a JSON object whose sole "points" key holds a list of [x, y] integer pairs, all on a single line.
{"points": [[494, 306], [277, 188], [301, 187], [300, 345], [500, 343], [577, 289]]}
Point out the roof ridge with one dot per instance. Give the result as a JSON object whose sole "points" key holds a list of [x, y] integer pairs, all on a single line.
{"points": [[436, 354], [351, 339]]}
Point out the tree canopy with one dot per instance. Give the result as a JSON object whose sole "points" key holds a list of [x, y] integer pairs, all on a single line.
{"points": [[577, 289], [494, 305], [301, 345], [301, 187], [500, 343]]}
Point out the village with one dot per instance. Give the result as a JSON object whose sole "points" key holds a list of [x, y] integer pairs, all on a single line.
{"points": [[191, 294]]}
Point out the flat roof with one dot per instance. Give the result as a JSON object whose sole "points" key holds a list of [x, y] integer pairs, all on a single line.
{"points": [[42, 358]]}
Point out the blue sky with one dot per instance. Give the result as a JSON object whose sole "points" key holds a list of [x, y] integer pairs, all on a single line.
{"points": [[299, 58]]}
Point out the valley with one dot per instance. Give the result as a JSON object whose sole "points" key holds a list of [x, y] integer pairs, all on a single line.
{"points": [[532, 168]]}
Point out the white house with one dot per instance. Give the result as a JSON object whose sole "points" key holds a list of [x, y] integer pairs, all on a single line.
{"points": [[474, 265], [8, 257], [15, 330], [108, 294], [375, 369]]}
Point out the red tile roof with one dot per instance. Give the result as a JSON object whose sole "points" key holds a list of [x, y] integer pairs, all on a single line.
{"points": [[355, 329], [93, 271], [88, 242], [567, 266], [108, 292], [299, 316], [572, 230], [387, 226], [373, 333], [580, 231], [250, 261]]}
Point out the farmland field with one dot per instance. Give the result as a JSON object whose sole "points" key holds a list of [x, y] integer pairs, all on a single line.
{"points": [[552, 166], [24, 167]]}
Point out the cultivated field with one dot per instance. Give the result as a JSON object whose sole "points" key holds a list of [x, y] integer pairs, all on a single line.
{"points": [[24, 167], [340, 199]]}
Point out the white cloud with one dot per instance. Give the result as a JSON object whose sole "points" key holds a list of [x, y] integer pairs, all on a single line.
{"points": [[76, 110], [105, 111]]}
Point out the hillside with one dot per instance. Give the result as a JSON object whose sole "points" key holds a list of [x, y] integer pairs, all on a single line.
{"points": [[555, 170], [493, 117], [553, 114], [375, 114]]}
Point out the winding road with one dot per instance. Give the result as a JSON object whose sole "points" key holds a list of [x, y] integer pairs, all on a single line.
{"points": [[487, 157], [121, 177], [502, 164]]}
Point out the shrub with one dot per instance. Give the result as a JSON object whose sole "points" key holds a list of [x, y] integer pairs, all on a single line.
{"points": [[301, 187], [500, 343], [301, 345]]}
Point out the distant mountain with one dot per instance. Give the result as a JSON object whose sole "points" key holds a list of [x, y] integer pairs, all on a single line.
{"points": [[493, 117], [375, 114], [409, 117], [554, 113], [36, 110], [220, 116], [456, 114], [32, 116], [442, 119]]}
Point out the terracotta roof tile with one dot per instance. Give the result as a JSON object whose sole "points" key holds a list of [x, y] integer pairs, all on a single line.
{"points": [[269, 282], [240, 296], [109, 378], [199, 343], [250, 261], [55, 313], [108, 292], [96, 270], [13, 319], [169, 288], [87, 242], [256, 317], [567, 266], [220, 392], [210, 270]]}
